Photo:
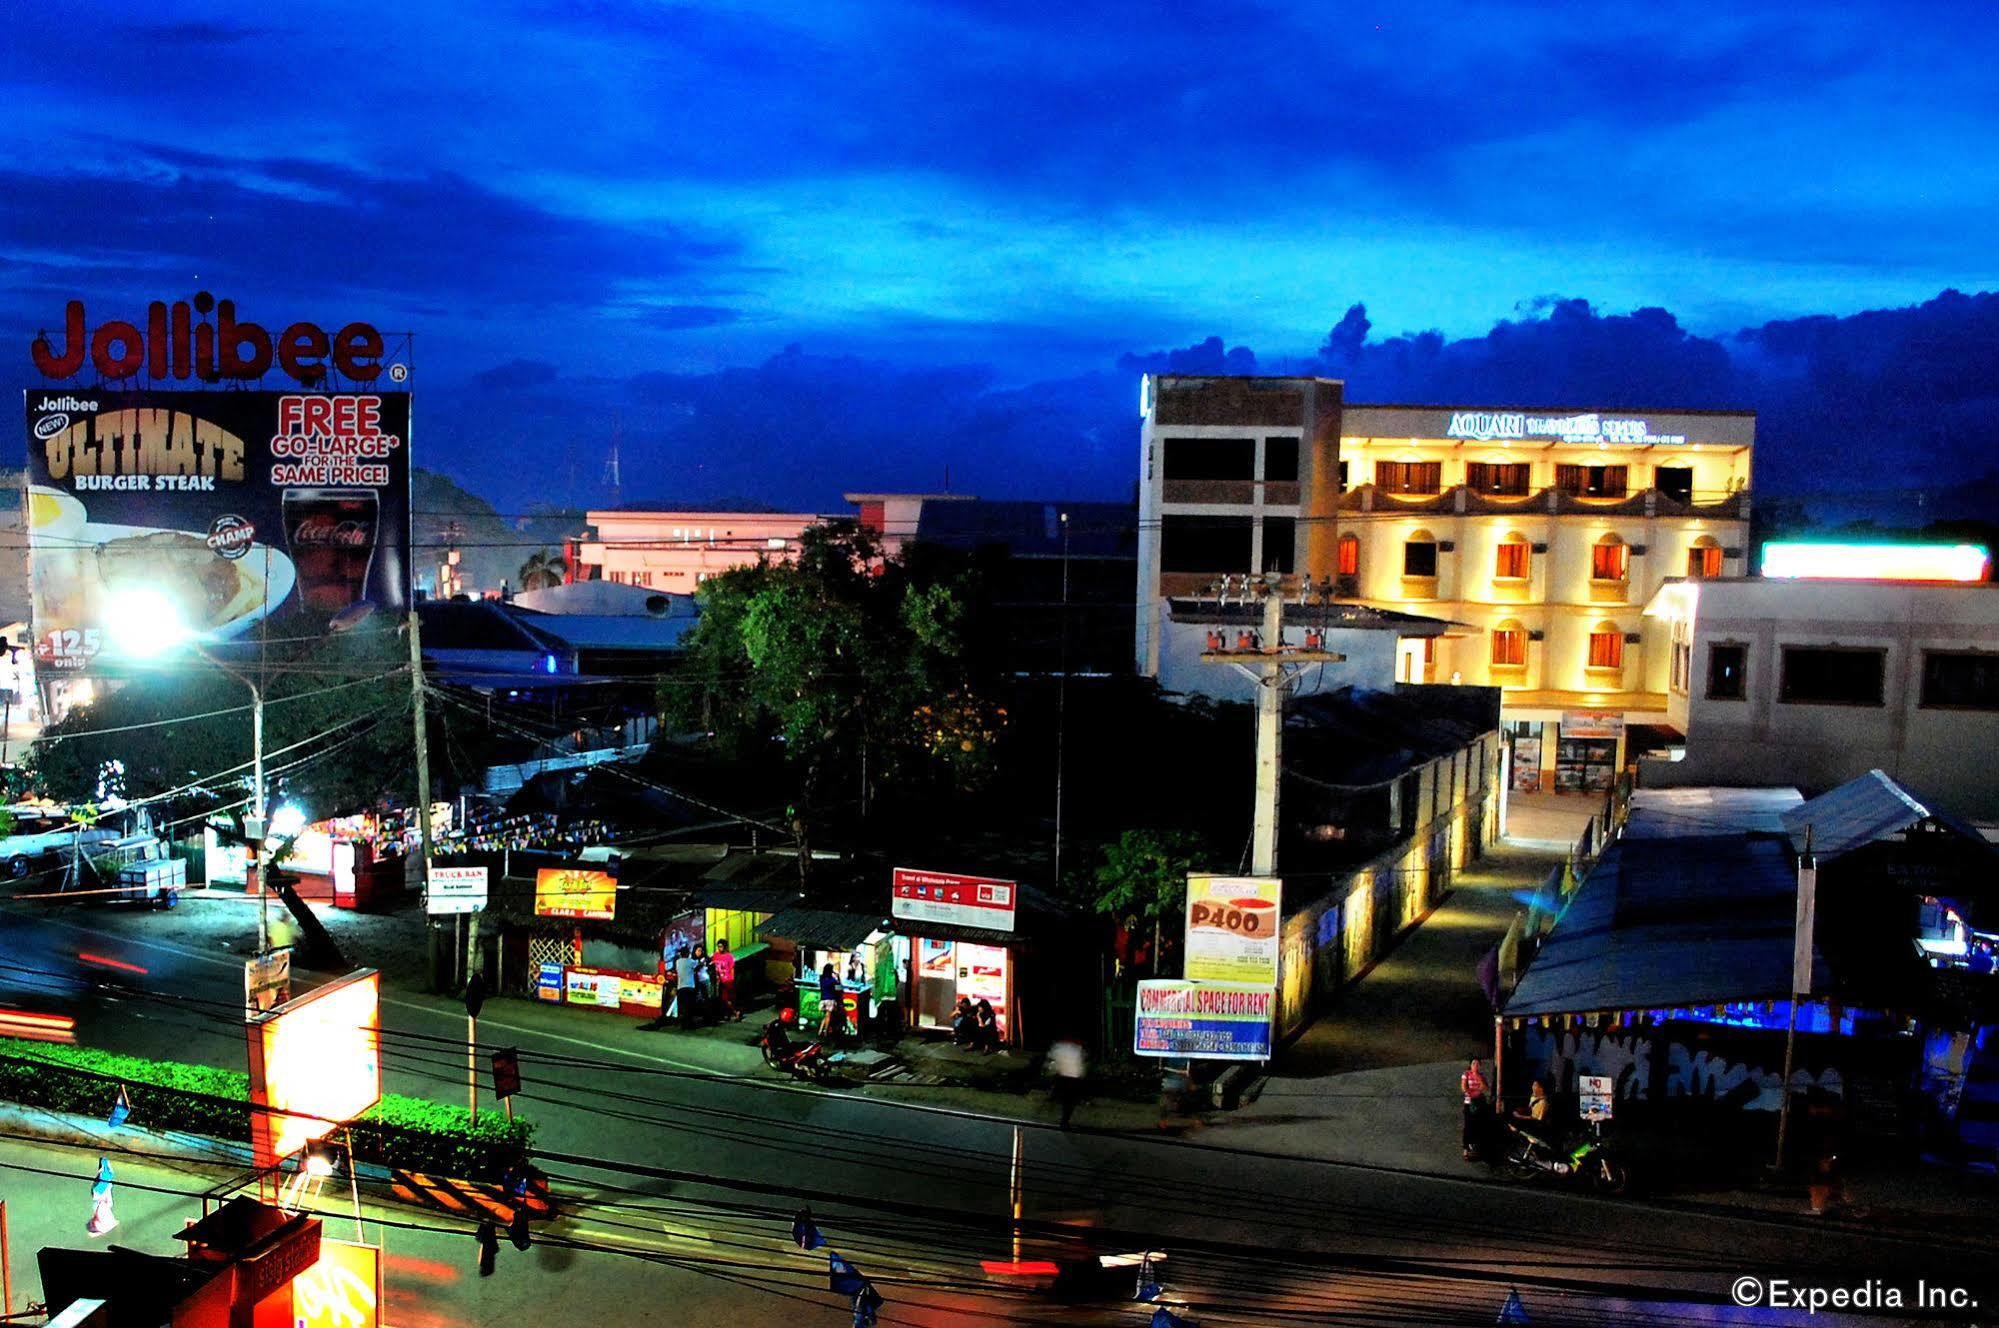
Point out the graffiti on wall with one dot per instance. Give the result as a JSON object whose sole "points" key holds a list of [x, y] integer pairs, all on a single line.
{"points": [[1739, 1074]]}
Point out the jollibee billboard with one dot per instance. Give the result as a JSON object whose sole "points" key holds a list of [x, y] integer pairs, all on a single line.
{"points": [[234, 507]]}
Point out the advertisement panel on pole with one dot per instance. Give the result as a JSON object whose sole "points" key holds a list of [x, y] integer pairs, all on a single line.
{"points": [[315, 1063], [965, 901], [221, 509], [342, 1290], [267, 980], [1232, 929], [1203, 1020], [456, 890], [575, 892]]}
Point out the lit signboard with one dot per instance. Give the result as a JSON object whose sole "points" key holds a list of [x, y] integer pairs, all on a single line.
{"points": [[315, 1063], [1588, 427], [1813, 560], [342, 1290], [1232, 929], [966, 901], [1203, 1020], [565, 892]]}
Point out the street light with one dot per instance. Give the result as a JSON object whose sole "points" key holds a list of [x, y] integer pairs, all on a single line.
{"points": [[147, 624]]}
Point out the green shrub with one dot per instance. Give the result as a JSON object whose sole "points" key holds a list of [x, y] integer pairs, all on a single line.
{"points": [[411, 1134]]}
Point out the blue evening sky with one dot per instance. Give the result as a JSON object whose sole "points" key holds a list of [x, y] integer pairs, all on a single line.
{"points": [[640, 206]]}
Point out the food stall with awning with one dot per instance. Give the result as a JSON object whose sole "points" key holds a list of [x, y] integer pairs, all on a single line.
{"points": [[857, 944]]}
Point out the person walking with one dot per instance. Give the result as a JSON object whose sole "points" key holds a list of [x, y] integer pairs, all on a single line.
{"points": [[1065, 1060], [1472, 1085], [724, 964]]}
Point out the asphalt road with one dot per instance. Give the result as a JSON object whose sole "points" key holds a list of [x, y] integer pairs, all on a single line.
{"points": [[682, 1181]]}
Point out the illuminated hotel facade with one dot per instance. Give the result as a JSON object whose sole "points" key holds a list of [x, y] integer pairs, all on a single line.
{"points": [[1539, 535]]}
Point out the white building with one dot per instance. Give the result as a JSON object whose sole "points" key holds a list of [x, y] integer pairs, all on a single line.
{"points": [[678, 550], [1810, 683]]}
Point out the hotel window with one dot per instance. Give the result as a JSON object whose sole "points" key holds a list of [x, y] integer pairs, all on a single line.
{"points": [[1960, 680], [1205, 544], [1280, 460], [616, 578], [1409, 476], [1509, 646], [1727, 672], [1210, 458], [1704, 559], [1349, 555], [642, 578], [1610, 560], [1419, 556], [1606, 647], [1591, 481], [1675, 482], [1280, 543], [1829, 675], [1514, 558], [1343, 477], [1508, 477]]}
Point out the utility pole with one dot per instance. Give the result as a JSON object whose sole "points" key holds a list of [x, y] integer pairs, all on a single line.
{"points": [[1801, 982], [422, 738], [1273, 667], [260, 827], [1062, 702]]}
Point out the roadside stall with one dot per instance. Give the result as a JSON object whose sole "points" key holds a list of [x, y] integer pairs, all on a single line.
{"points": [[853, 943], [1000, 941]]}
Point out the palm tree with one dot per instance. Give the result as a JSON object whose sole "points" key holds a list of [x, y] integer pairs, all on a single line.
{"points": [[543, 570]]}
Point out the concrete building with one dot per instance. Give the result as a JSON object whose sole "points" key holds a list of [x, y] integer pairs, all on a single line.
{"points": [[1815, 682], [1538, 535], [678, 550]]}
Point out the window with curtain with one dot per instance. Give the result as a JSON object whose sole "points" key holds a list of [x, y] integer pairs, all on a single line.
{"points": [[1409, 476], [1610, 560], [1606, 649], [1509, 646], [1349, 555], [1592, 481], [1704, 560], [1501, 477], [1513, 559]]}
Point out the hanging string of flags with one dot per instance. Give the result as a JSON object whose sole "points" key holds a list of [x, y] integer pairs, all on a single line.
{"points": [[842, 1278]]}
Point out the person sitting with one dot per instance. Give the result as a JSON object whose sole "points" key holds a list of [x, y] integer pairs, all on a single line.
{"points": [[1533, 1118], [985, 1027], [964, 1022]]}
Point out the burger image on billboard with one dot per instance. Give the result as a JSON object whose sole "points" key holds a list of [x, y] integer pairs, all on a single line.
{"points": [[224, 509]]}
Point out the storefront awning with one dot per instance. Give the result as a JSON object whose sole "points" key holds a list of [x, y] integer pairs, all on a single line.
{"points": [[947, 931], [823, 929]]}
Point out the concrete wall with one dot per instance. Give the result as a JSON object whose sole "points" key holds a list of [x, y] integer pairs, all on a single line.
{"points": [[1940, 753], [1333, 940]]}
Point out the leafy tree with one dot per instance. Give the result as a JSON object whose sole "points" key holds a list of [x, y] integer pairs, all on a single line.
{"points": [[1141, 877], [842, 659], [336, 727], [543, 569]]}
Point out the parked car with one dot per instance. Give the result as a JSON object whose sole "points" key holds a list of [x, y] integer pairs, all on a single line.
{"points": [[38, 836]]}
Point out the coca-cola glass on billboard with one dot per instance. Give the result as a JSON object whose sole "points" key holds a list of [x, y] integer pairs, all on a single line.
{"points": [[331, 535]]}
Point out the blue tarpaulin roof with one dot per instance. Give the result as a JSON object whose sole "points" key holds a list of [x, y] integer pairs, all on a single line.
{"points": [[1680, 813], [1665, 922], [1854, 815]]}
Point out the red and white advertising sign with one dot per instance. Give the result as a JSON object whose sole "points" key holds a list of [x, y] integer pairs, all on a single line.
{"points": [[964, 901]]}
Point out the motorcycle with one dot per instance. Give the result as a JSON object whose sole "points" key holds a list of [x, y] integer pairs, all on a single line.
{"points": [[807, 1060], [1585, 1159]]}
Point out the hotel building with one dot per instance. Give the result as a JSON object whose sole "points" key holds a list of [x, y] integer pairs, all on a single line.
{"points": [[1537, 535]]}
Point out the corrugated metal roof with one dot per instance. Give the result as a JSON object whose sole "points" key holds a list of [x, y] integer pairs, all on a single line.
{"points": [[1857, 813], [1680, 813], [822, 928], [1671, 922]]}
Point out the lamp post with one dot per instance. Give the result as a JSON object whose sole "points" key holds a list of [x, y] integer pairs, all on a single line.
{"points": [[148, 625]]}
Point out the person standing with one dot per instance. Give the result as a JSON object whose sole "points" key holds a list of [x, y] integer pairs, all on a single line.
{"points": [[683, 981], [1065, 1060], [725, 981], [1472, 1085], [832, 1010]]}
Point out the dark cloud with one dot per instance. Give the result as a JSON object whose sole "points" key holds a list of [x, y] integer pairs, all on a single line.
{"points": [[1207, 357]]}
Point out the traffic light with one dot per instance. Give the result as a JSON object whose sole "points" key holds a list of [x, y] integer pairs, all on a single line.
{"points": [[475, 993], [489, 1248]]}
